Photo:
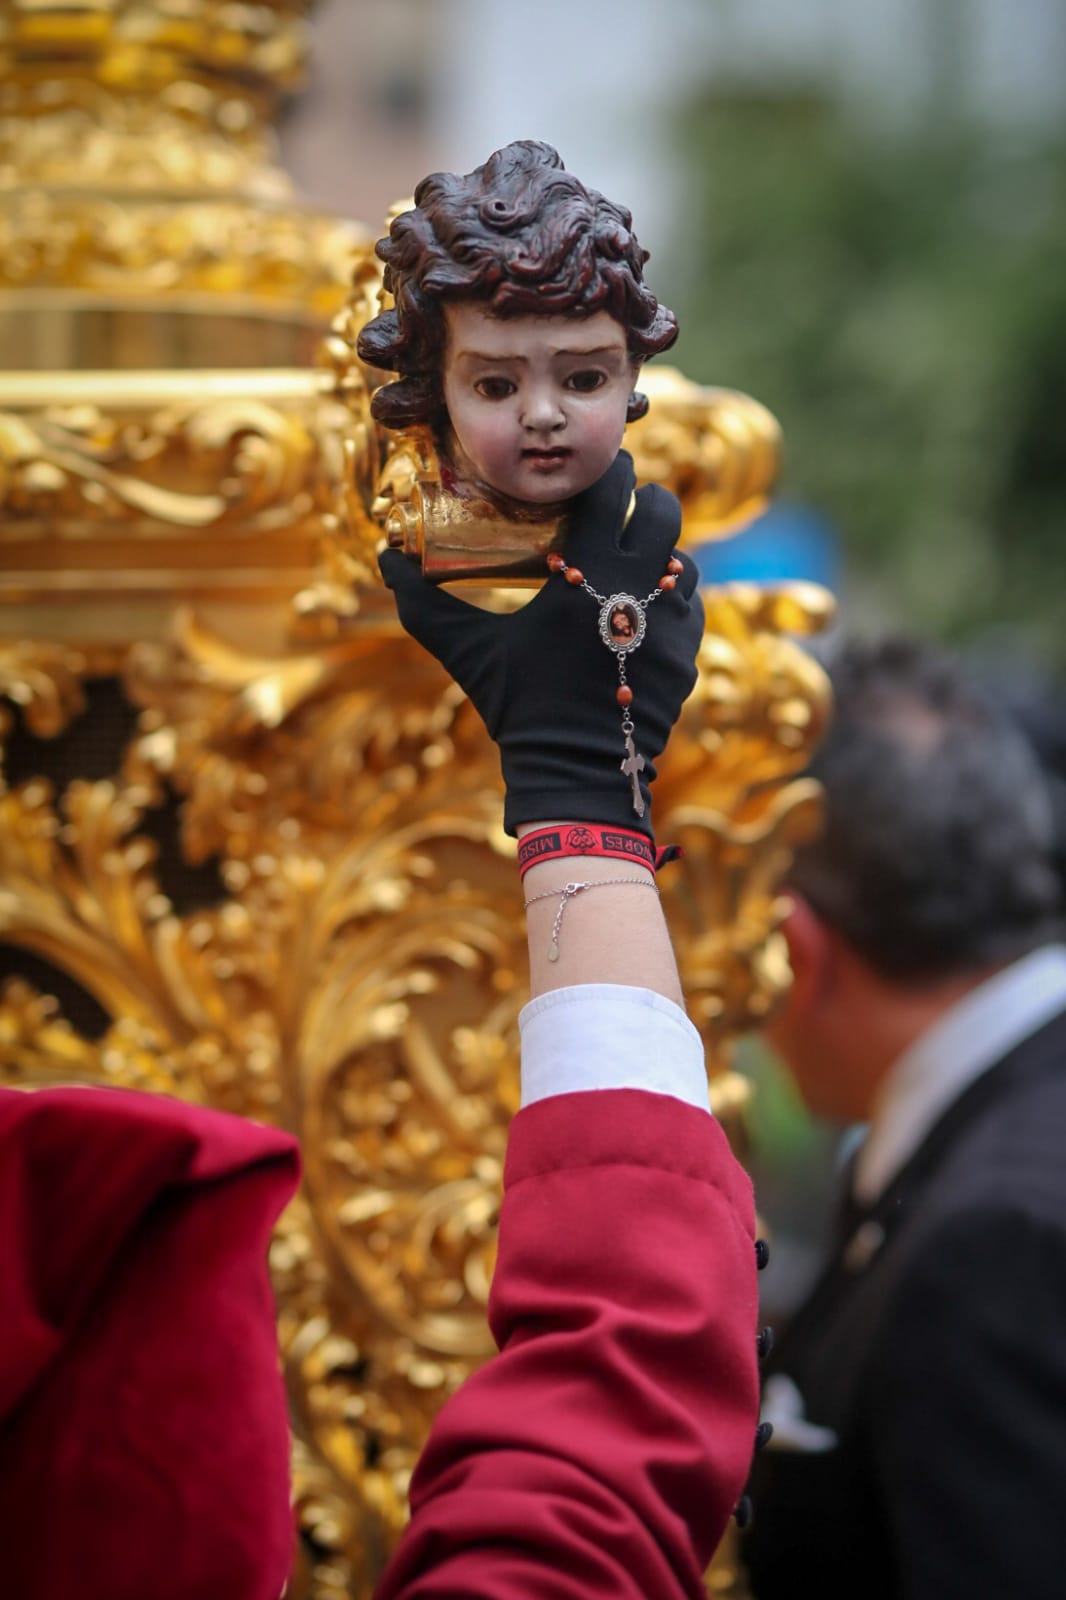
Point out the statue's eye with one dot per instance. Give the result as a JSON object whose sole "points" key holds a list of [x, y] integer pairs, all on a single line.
{"points": [[494, 388], [586, 380]]}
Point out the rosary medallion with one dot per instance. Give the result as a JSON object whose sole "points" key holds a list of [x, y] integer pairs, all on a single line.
{"points": [[623, 622]]}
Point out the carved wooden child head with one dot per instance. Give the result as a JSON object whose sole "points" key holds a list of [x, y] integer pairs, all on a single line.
{"points": [[520, 324]]}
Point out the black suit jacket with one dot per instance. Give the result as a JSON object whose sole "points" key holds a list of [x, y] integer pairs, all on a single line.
{"points": [[934, 1348]]}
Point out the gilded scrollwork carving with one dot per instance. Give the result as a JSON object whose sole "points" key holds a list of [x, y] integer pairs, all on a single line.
{"points": [[45, 681], [256, 464], [717, 449], [363, 987], [732, 793], [346, 554], [133, 46], [361, 983], [113, 241], [186, 136]]}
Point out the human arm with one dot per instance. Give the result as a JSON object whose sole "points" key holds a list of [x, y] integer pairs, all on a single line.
{"points": [[601, 1452]]}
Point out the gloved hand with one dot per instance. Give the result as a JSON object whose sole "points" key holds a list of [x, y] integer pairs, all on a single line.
{"points": [[542, 679]]}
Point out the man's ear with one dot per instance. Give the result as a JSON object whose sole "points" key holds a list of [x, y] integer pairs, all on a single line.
{"points": [[810, 954]]}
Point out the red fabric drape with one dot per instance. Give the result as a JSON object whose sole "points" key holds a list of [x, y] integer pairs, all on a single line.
{"points": [[143, 1428]]}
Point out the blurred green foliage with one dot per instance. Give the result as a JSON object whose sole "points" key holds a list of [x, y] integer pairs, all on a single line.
{"points": [[898, 299]]}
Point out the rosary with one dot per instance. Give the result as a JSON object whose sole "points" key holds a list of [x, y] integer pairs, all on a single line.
{"points": [[623, 623]]}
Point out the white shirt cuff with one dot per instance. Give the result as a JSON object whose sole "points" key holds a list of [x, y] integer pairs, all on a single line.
{"points": [[610, 1036]]}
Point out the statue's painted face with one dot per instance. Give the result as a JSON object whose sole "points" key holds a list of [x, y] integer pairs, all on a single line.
{"points": [[537, 404]]}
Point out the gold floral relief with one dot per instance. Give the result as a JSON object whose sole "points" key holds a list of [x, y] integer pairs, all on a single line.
{"points": [[133, 46], [187, 135], [360, 978], [184, 464], [359, 983], [718, 450], [115, 243], [733, 795], [154, 491]]}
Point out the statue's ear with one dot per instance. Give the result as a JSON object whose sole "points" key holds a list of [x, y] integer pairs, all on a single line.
{"points": [[637, 406]]}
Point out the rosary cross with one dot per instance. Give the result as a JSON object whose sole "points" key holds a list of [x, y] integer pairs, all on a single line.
{"points": [[634, 763]]}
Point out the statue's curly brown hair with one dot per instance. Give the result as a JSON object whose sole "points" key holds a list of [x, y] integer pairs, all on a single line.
{"points": [[521, 235]]}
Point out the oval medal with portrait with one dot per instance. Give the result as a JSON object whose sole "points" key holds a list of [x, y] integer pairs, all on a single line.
{"points": [[622, 623]]}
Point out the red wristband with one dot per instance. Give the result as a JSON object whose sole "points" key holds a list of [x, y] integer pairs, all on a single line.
{"points": [[589, 839]]}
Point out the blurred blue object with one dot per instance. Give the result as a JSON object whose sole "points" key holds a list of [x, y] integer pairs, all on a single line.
{"points": [[786, 541]]}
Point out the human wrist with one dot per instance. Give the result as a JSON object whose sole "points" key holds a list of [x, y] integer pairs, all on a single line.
{"points": [[559, 897], [613, 932], [585, 842], [555, 876], [542, 842]]}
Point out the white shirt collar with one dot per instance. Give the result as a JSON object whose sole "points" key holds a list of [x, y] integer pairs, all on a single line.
{"points": [[979, 1030]]}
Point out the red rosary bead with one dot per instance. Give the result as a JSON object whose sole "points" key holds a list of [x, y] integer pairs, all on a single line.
{"points": [[668, 582], [575, 576], [675, 566], [624, 695], [556, 562]]}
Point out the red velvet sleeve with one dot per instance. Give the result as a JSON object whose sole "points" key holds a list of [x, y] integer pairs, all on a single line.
{"points": [[602, 1451], [144, 1437]]}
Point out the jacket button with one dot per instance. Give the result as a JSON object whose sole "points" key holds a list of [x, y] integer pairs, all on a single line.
{"points": [[764, 1343], [762, 1253], [763, 1434], [744, 1511]]}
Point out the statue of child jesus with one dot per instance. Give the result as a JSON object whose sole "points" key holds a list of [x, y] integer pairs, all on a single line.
{"points": [[521, 321], [520, 324]]}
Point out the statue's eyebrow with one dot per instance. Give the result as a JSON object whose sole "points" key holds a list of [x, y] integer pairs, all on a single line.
{"points": [[587, 355], [482, 355], [600, 350]]}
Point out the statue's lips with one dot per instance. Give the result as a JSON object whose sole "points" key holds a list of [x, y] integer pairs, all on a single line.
{"points": [[546, 458]]}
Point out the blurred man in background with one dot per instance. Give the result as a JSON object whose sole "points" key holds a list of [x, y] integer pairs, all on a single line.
{"points": [[919, 1394]]}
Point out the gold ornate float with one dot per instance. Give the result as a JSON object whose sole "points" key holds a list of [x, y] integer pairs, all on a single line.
{"points": [[250, 848]]}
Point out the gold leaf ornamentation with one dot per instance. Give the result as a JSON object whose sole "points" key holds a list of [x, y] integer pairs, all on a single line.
{"points": [[717, 449], [212, 463], [44, 681], [360, 981], [137, 47], [185, 136], [730, 793], [112, 242]]}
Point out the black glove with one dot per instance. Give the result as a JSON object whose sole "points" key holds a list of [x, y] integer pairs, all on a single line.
{"points": [[543, 680]]}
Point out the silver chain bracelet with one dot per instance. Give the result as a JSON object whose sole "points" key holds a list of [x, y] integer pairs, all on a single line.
{"points": [[569, 891]]}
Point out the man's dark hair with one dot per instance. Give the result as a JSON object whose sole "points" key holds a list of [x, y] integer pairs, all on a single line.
{"points": [[937, 853], [521, 235]]}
